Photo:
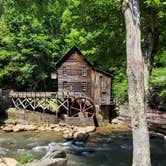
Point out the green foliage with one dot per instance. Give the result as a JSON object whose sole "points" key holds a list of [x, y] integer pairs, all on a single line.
{"points": [[26, 158], [120, 85], [158, 76], [33, 40], [158, 82]]}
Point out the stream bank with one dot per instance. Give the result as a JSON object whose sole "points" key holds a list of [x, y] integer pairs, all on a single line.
{"points": [[156, 119]]}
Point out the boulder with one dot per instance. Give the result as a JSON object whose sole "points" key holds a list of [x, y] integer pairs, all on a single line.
{"points": [[68, 134], [18, 127], [30, 127], [86, 129], [81, 136], [48, 128], [41, 128], [62, 124], [21, 127], [115, 121], [59, 129], [7, 128], [52, 158], [8, 162], [54, 153], [52, 126], [48, 162]]}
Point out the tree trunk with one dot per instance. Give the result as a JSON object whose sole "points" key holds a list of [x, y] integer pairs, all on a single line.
{"points": [[148, 48], [136, 91]]}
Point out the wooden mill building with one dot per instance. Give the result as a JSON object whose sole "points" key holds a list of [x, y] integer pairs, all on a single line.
{"points": [[75, 74], [81, 87]]}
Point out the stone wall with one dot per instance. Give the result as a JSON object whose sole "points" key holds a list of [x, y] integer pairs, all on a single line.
{"points": [[38, 117], [156, 120], [31, 116], [78, 121]]}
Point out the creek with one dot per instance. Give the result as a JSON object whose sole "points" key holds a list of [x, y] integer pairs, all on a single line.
{"points": [[112, 150]]}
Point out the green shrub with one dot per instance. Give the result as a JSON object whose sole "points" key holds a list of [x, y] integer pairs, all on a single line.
{"points": [[120, 91], [25, 158], [120, 86], [158, 82]]}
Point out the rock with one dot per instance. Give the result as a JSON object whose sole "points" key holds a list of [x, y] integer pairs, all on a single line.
{"points": [[156, 119], [7, 128], [40, 148], [30, 127], [21, 127], [41, 128], [87, 129], [18, 127], [59, 129], [81, 136], [155, 134], [119, 121], [49, 162], [115, 121], [52, 126], [54, 153], [48, 128], [164, 137], [68, 134], [3, 151], [10, 121], [8, 162], [52, 158], [62, 124]]}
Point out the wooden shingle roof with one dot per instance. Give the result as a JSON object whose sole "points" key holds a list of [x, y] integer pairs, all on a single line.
{"points": [[73, 50]]}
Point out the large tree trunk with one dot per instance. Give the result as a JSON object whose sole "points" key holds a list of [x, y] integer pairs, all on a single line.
{"points": [[136, 91]]}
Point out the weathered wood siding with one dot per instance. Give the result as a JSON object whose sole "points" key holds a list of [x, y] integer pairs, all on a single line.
{"points": [[76, 75], [101, 88], [72, 75]]}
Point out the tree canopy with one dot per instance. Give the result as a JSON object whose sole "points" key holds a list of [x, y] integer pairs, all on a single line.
{"points": [[34, 34]]}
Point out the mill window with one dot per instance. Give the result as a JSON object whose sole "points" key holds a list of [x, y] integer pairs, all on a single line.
{"points": [[84, 86], [84, 71], [64, 70], [65, 85], [102, 83]]}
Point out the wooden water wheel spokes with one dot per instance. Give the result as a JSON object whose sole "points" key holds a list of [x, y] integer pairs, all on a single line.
{"points": [[82, 105]]}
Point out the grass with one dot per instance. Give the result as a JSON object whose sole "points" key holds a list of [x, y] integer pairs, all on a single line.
{"points": [[113, 127]]}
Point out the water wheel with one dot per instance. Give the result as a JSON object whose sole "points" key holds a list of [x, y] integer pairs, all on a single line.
{"points": [[82, 105]]}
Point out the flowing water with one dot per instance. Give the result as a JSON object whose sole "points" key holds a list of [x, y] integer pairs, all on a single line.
{"points": [[115, 150]]}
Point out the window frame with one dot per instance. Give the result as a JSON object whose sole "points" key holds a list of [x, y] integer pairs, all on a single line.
{"points": [[84, 71], [65, 84], [84, 86], [64, 70]]}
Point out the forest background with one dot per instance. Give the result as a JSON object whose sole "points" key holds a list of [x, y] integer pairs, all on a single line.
{"points": [[34, 34]]}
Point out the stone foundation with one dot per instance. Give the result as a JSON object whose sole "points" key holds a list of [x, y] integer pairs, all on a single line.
{"points": [[77, 121], [31, 116]]}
